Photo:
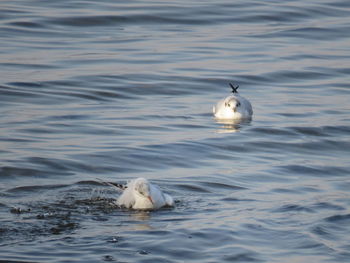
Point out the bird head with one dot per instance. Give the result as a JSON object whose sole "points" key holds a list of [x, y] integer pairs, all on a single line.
{"points": [[142, 188], [232, 103]]}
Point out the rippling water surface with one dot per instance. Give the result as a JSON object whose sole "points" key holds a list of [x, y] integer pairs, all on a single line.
{"points": [[108, 90]]}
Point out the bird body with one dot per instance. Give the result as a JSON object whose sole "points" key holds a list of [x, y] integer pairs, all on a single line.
{"points": [[233, 107], [141, 194]]}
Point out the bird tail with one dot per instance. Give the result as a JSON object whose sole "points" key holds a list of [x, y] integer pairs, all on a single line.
{"points": [[120, 186]]}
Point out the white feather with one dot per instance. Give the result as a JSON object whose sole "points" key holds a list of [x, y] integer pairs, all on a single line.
{"points": [[233, 107], [132, 198]]}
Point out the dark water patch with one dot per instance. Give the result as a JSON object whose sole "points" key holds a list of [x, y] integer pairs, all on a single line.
{"points": [[28, 66], [17, 261], [272, 131], [188, 126], [298, 242], [82, 166], [53, 217], [255, 80], [309, 189], [318, 171], [27, 92], [28, 24], [50, 164], [321, 131], [145, 128], [171, 154], [60, 92], [309, 131], [311, 33], [112, 20], [341, 4], [135, 85], [328, 206], [31, 33], [321, 10], [89, 96], [333, 72], [164, 116], [322, 232], [297, 57], [114, 161], [92, 182], [17, 140], [293, 208], [242, 257], [10, 11], [68, 117], [320, 147], [337, 130], [35, 188], [192, 188], [226, 145], [10, 91], [40, 130], [221, 186], [310, 244], [69, 167], [338, 218], [333, 229], [296, 115], [286, 76], [11, 171], [286, 191], [234, 199], [326, 144]]}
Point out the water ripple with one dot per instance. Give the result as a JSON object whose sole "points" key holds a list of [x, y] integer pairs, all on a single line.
{"points": [[106, 91]]}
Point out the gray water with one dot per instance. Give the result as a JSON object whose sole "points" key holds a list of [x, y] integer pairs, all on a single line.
{"points": [[96, 91]]}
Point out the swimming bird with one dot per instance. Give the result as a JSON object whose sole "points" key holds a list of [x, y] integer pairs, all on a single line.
{"points": [[233, 107], [141, 194]]}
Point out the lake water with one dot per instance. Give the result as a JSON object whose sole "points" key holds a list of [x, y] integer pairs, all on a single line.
{"points": [[108, 90]]}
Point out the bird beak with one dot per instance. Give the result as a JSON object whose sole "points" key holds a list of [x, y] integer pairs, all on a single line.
{"points": [[150, 198]]}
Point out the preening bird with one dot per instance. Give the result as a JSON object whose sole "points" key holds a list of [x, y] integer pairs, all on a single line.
{"points": [[141, 194]]}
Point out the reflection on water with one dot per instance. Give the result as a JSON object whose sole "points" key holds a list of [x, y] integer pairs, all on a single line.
{"points": [[231, 126], [141, 220]]}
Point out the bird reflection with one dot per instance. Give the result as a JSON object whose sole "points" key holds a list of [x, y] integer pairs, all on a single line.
{"points": [[141, 220], [141, 215], [231, 126]]}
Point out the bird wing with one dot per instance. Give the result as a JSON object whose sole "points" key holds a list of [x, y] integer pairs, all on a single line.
{"points": [[126, 199], [160, 199], [157, 196]]}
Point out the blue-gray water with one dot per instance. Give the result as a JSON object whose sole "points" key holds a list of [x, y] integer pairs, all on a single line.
{"points": [[121, 89]]}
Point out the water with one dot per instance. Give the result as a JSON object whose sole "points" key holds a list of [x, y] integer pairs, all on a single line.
{"points": [[114, 90]]}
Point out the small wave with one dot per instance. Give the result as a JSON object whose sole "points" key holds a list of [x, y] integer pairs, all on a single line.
{"points": [[293, 208], [338, 218], [35, 188], [328, 171], [88, 21]]}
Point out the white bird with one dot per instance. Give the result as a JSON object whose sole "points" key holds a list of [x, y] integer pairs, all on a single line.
{"points": [[141, 194], [233, 107]]}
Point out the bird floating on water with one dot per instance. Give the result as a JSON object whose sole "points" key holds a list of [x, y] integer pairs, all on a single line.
{"points": [[233, 107], [141, 194]]}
